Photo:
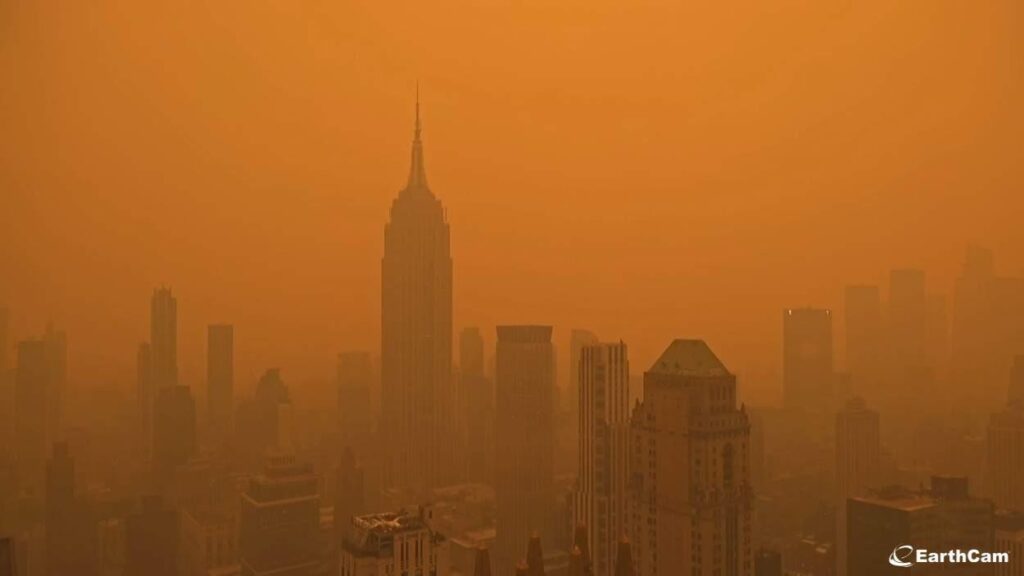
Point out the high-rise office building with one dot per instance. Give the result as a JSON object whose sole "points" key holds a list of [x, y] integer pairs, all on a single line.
{"points": [[807, 371], [524, 439], [943, 518], [416, 336], [691, 504], [865, 338], [71, 527], [858, 462], [349, 494], [476, 393], [39, 381], [209, 542], [144, 395], [578, 338], [1005, 458], [220, 378], [355, 411], [151, 540], [601, 499], [279, 520], [163, 339], [399, 542], [174, 430]]}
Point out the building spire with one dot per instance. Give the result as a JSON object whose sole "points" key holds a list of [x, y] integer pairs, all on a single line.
{"points": [[417, 172]]}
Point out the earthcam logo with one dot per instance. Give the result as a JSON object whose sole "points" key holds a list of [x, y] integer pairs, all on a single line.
{"points": [[905, 556]]}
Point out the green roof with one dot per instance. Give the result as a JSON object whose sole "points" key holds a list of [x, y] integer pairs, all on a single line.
{"points": [[689, 358]]}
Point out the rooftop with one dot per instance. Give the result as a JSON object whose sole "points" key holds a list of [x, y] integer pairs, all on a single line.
{"points": [[689, 358]]}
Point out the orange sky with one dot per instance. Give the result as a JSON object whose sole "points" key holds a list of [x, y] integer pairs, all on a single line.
{"points": [[647, 169]]}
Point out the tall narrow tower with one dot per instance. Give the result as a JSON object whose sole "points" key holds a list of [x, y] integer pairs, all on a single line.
{"points": [[163, 339], [416, 336]]}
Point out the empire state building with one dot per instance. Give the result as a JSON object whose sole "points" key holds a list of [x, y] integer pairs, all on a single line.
{"points": [[416, 336]]}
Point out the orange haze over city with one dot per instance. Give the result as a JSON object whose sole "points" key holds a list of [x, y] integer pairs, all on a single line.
{"points": [[647, 170]]}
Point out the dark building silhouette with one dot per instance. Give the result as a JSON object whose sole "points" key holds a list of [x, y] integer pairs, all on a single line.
{"points": [[524, 439], [151, 540], [940, 519], [145, 394], [71, 546], [865, 338], [280, 520], [416, 336], [39, 381], [258, 425], [349, 494], [174, 430], [220, 378], [476, 392], [858, 463], [692, 504], [163, 339], [808, 378]]}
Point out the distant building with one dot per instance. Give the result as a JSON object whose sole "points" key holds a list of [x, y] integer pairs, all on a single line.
{"points": [[394, 543], [601, 497], [209, 542], [174, 430], [476, 392], [349, 494], [417, 404], [1006, 458], [941, 519], [220, 378], [524, 439], [151, 540], [279, 523], [71, 545], [163, 339], [39, 381], [578, 338], [858, 463], [908, 320], [808, 378], [691, 506]]}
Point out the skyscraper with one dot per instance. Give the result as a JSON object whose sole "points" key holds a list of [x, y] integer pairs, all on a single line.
{"points": [[691, 505], [524, 439], [416, 336], [578, 338], [151, 540], [220, 378], [163, 338], [280, 520], [858, 461], [865, 338], [71, 534], [1005, 459], [601, 497], [395, 543], [807, 373], [174, 430], [39, 381], [476, 392]]}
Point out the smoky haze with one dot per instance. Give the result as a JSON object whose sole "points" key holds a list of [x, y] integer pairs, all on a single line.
{"points": [[646, 169]]}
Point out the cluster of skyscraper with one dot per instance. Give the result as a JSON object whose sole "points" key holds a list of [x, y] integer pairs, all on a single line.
{"points": [[431, 468]]}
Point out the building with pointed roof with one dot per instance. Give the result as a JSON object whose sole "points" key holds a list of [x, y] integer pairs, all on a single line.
{"points": [[417, 403], [690, 494]]}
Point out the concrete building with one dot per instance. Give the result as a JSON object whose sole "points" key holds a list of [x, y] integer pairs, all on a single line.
{"points": [[601, 499], [417, 401], [1005, 458], [151, 540], [220, 379], [279, 522], [394, 543], [691, 499], [940, 519], [524, 440], [209, 542], [858, 463], [163, 339]]}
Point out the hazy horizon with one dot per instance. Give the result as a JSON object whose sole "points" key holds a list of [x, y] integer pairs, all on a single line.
{"points": [[645, 171]]}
